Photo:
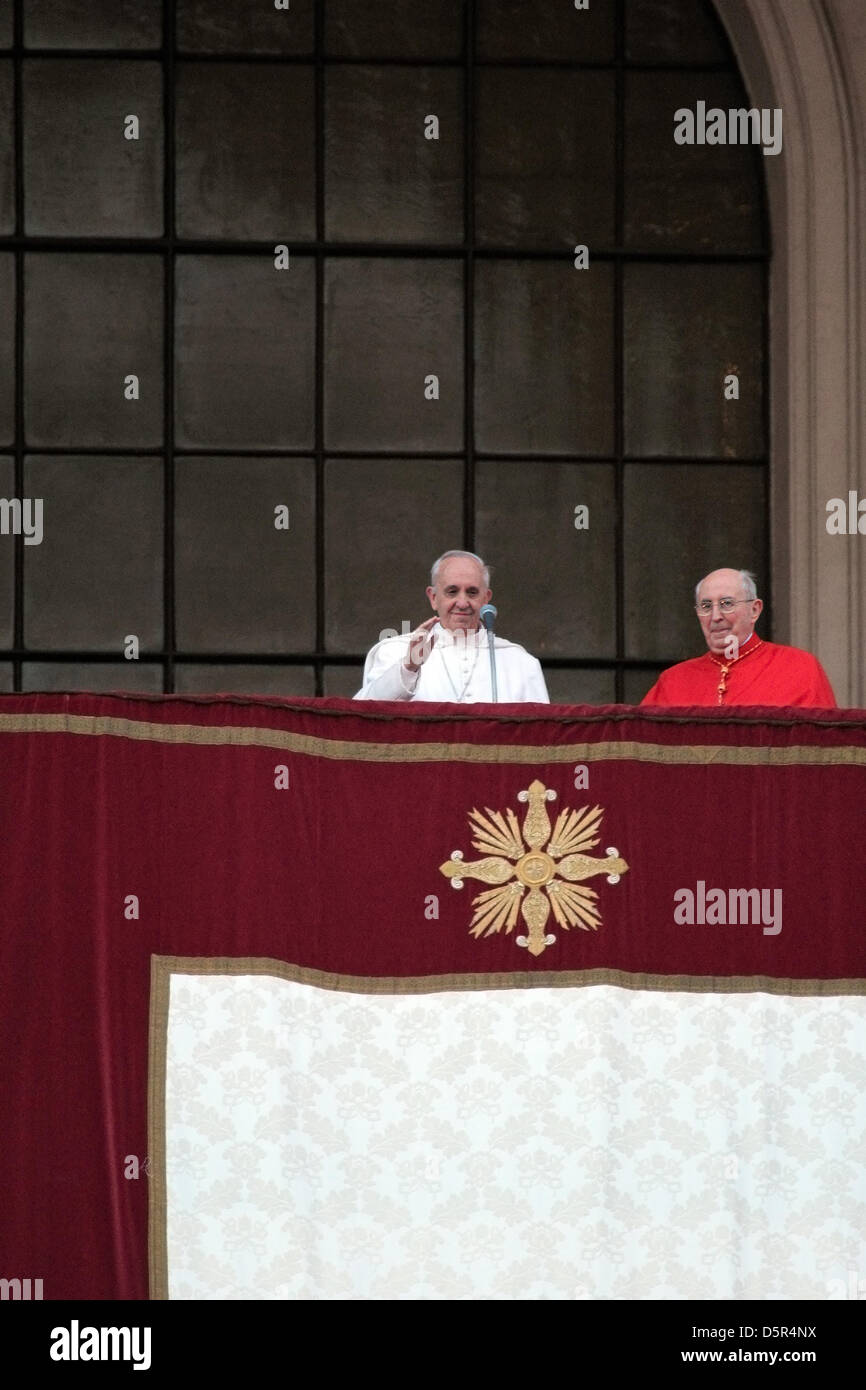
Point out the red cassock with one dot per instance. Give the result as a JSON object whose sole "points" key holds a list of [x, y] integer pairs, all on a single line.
{"points": [[764, 673]]}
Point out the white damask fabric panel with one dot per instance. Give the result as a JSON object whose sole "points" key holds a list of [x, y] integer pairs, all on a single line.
{"points": [[514, 1144]]}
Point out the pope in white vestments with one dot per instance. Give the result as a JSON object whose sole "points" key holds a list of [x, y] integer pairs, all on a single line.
{"points": [[447, 658]]}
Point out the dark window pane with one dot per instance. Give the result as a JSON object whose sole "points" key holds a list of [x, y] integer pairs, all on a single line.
{"points": [[375, 581], [93, 675], [545, 29], [7, 350], [637, 683], [92, 23], [344, 681], [545, 162], [82, 176], [244, 26], [544, 357], [244, 352], [674, 31], [389, 326], [243, 585], [7, 153], [394, 29], [680, 524], [543, 568], [201, 678], [581, 686], [90, 321], [687, 197], [385, 181], [687, 327], [7, 558], [245, 151], [97, 576]]}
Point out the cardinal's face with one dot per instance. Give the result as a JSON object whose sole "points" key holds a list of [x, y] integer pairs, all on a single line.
{"points": [[730, 620]]}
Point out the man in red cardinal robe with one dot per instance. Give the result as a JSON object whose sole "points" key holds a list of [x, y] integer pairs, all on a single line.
{"points": [[740, 668]]}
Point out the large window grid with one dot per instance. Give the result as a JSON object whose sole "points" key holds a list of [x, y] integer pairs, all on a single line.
{"points": [[470, 255]]}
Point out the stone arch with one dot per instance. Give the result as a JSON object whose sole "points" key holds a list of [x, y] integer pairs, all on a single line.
{"points": [[809, 58]]}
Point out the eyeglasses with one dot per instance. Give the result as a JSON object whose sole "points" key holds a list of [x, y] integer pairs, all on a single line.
{"points": [[705, 607]]}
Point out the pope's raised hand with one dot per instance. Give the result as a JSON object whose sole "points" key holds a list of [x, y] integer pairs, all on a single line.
{"points": [[420, 645]]}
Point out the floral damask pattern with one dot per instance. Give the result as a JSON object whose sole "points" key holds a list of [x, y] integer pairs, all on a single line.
{"points": [[546, 1143]]}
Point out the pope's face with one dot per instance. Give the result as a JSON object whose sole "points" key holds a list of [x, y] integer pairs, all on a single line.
{"points": [[723, 629], [459, 594]]}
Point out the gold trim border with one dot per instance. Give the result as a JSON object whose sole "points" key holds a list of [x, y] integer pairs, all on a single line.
{"points": [[138, 730], [161, 971], [163, 967]]}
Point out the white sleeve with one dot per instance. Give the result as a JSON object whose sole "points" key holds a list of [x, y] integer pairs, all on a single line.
{"points": [[536, 689], [385, 676]]}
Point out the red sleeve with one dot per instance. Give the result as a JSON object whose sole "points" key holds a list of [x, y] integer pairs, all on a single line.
{"points": [[819, 691], [654, 696]]}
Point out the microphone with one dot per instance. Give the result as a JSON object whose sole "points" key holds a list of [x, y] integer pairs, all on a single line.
{"points": [[488, 616]]}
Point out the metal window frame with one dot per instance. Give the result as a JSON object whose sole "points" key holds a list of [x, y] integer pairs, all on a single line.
{"points": [[169, 246]]}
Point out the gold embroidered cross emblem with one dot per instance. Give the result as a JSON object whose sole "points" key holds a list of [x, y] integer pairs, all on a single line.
{"points": [[546, 863]]}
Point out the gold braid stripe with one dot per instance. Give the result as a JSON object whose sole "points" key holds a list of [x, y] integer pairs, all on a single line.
{"points": [[343, 750], [165, 966]]}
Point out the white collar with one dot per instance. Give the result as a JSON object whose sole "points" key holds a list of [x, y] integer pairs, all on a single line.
{"points": [[447, 638]]}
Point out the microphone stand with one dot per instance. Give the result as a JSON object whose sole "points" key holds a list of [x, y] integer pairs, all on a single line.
{"points": [[491, 649], [491, 638]]}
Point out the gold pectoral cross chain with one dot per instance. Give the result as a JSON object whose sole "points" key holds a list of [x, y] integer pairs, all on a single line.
{"points": [[726, 666]]}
